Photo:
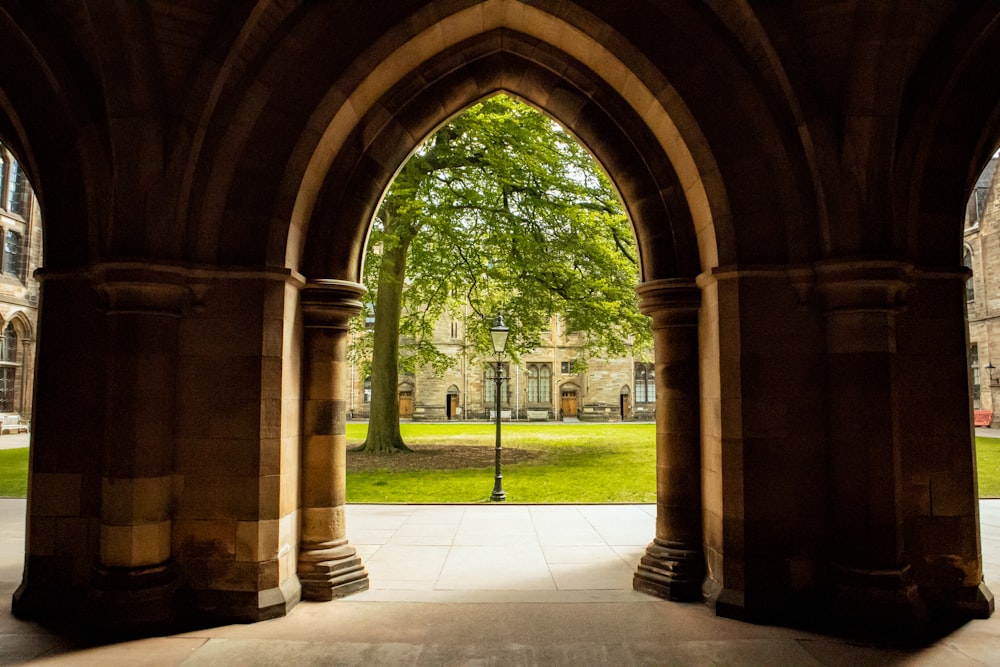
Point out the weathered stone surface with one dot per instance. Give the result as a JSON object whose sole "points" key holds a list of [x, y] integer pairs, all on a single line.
{"points": [[208, 200]]}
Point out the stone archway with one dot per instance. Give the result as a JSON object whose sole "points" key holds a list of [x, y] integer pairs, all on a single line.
{"points": [[660, 205], [208, 199]]}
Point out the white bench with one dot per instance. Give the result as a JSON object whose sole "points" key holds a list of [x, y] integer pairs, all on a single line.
{"points": [[504, 414], [12, 424], [538, 415]]}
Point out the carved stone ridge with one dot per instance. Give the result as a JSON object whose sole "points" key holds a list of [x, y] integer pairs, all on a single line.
{"points": [[331, 303], [673, 298], [864, 285], [802, 277], [140, 288]]}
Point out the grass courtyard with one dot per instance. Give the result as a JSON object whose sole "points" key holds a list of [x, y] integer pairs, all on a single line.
{"points": [[542, 463]]}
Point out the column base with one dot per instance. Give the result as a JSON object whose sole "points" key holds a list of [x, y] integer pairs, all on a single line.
{"points": [[879, 601], [961, 604], [127, 601], [333, 571], [724, 602], [211, 607], [48, 592], [670, 572]]}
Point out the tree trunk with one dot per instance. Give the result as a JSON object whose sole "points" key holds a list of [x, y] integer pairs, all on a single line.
{"points": [[383, 422]]}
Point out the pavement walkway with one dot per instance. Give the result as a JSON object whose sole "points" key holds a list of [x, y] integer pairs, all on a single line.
{"points": [[492, 584], [14, 440]]}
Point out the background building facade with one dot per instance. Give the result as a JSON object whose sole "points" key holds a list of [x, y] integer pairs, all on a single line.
{"points": [[20, 226], [555, 381], [981, 254]]}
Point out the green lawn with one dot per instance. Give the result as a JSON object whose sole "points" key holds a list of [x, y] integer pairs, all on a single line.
{"points": [[580, 463], [14, 473], [988, 466], [586, 463]]}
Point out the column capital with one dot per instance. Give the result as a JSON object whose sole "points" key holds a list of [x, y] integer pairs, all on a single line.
{"points": [[331, 303], [670, 300], [137, 288], [864, 284]]}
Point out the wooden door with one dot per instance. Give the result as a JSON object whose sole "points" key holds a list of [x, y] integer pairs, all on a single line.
{"points": [[406, 404], [568, 404], [452, 406]]}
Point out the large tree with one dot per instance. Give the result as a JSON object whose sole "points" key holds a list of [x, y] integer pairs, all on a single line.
{"points": [[500, 210]]}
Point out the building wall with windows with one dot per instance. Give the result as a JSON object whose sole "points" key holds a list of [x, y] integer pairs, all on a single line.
{"points": [[981, 254], [551, 379], [21, 229]]}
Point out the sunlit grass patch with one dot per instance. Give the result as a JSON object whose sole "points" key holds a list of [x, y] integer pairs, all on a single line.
{"points": [[577, 463], [588, 463], [988, 466], [14, 473]]}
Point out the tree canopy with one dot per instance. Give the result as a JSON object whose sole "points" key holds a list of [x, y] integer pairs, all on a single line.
{"points": [[501, 210]]}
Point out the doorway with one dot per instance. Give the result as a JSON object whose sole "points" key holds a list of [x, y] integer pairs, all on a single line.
{"points": [[451, 405], [568, 403], [406, 401]]}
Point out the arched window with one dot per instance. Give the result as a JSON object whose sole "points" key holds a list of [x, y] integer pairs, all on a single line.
{"points": [[8, 369], [645, 383], [17, 192], [970, 288], [8, 345], [545, 384], [540, 384], [12, 253]]}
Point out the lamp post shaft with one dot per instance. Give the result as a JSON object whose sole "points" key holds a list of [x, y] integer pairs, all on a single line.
{"points": [[498, 494]]}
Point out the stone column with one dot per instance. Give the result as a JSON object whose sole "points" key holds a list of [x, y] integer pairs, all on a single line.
{"points": [[674, 564], [328, 565], [134, 583], [871, 584]]}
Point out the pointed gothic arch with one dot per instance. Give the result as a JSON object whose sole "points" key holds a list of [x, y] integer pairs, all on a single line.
{"points": [[797, 241]]}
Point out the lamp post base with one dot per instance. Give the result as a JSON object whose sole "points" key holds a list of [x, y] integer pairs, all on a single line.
{"points": [[498, 496]]}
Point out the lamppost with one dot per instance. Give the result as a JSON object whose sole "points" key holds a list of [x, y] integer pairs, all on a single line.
{"points": [[498, 332]]}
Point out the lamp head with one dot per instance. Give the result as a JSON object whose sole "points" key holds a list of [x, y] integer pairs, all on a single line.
{"points": [[498, 332]]}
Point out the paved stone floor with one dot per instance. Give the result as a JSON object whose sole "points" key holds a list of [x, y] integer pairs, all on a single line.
{"points": [[492, 584]]}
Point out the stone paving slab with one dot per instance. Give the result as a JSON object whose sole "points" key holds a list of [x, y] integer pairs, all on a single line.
{"points": [[551, 604]]}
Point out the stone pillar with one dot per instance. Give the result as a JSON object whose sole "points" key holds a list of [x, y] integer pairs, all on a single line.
{"points": [[674, 564], [328, 565], [940, 501], [67, 440], [134, 584], [871, 584]]}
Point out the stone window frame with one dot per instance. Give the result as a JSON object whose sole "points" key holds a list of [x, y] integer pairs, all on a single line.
{"points": [[970, 286], [13, 262], [645, 383], [539, 384], [8, 368], [974, 370]]}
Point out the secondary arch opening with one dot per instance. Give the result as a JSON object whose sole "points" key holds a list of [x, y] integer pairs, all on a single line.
{"points": [[502, 210]]}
